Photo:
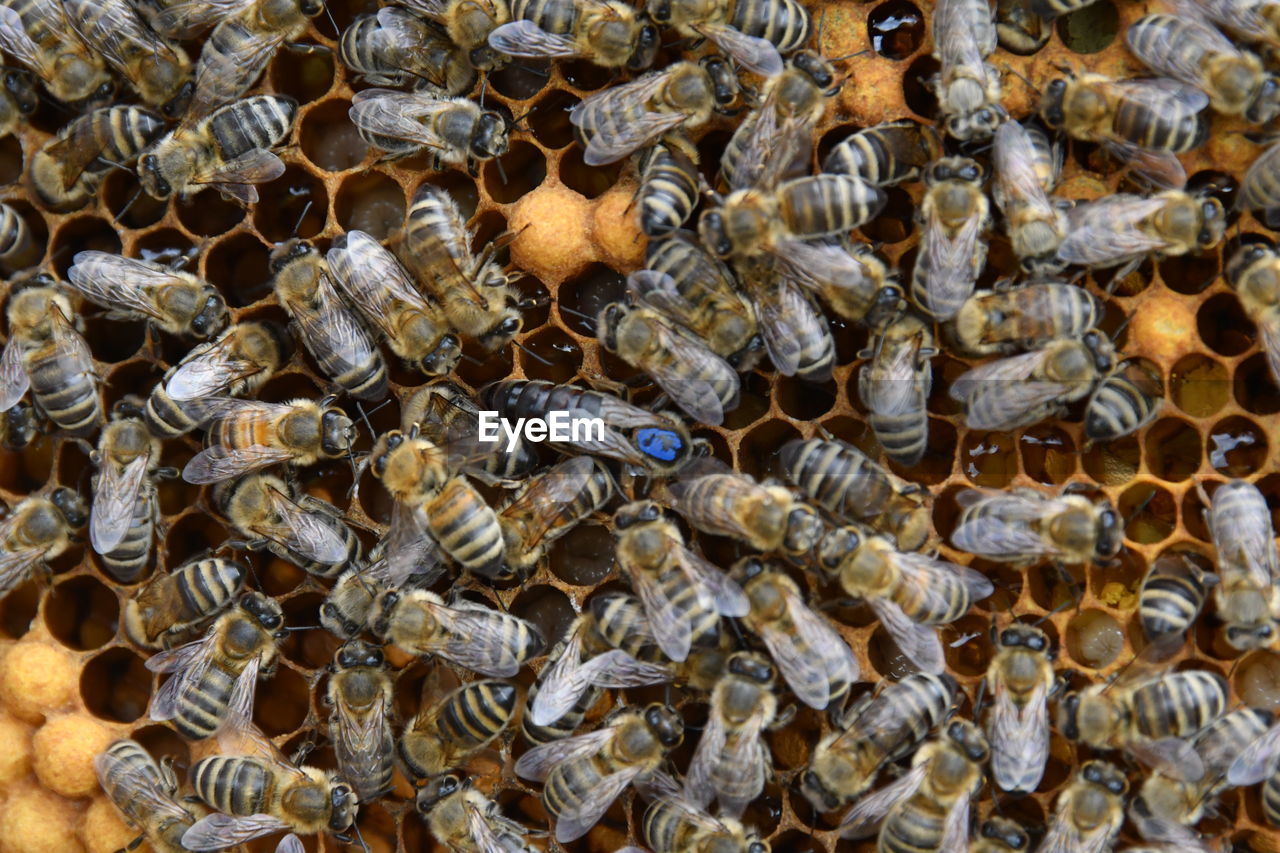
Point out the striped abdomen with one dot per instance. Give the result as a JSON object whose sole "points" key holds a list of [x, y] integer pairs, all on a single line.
{"points": [[1173, 128], [668, 191], [786, 23], [1118, 408], [462, 722], [119, 134], [436, 236], [203, 707], [263, 121], [885, 154], [466, 527], [1169, 604], [553, 16], [128, 560], [1271, 798], [122, 763], [234, 786], [916, 826], [1178, 705], [206, 586], [69, 399], [920, 701], [686, 601], [837, 476], [165, 416], [14, 236], [561, 728], [827, 205], [328, 515]]}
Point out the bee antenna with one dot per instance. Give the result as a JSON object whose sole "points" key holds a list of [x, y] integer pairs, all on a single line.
{"points": [[364, 416], [575, 312], [848, 56], [502, 173], [540, 72], [112, 163], [363, 846], [1016, 73], [1137, 510], [128, 204], [1054, 612], [524, 349], [306, 208], [337, 31]]}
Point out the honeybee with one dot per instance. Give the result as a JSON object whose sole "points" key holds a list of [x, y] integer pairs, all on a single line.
{"points": [[584, 774], [38, 530], [796, 334], [299, 528], [668, 190], [673, 824], [473, 290], [1021, 390], [548, 506], [470, 635], [158, 71], [396, 47], [247, 435], [1247, 596], [608, 33], [463, 819], [786, 116], [18, 97], [1005, 320], [179, 19], [1166, 808], [1184, 48], [610, 634], [879, 728], [1023, 526], [842, 479], [1172, 595], [1036, 224], [619, 120], [1147, 714], [37, 34], [441, 736], [1020, 28], [927, 809], [1124, 402], [1252, 21], [226, 150], [434, 505], [998, 834], [359, 695], [684, 595], [886, 154], [657, 443], [731, 761], [1020, 679], [170, 603], [468, 24], [1088, 814], [909, 592], [894, 385], [1254, 273], [240, 46], [259, 795], [15, 237], [697, 380], [766, 517], [346, 609], [124, 511], [175, 302], [696, 290], [212, 683], [416, 328], [1260, 187], [954, 214], [967, 86], [65, 172], [18, 427], [1143, 122], [47, 354], [1120, 229], [145, 793], [753, 35], [447, 416], [454, 130]]}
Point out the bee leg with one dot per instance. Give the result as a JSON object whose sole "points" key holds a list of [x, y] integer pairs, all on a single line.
{"points": [[783, 718], [134, 844], [304, 749], [304, 48]]}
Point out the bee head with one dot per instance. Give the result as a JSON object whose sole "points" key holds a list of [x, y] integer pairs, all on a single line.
{"points": [[639, 512], [665, 724], [490, 138], [748, 568], [435, 790], [758, 847], [1104, 774], [711, 228], [1213, 221], [71, 505], [1110, 532], [337, 432], [646, 49], [751, 667], [1249, 637], [611, 317], [333, 620], [311, 8], [1006, 832], [212, 317], [816, 67], [287, 252], [724, 83], [969, 739], [177, 105], [355, 653], [21, 88], [1069, 716], [152, 178], [383, 606], [442, 359], [386, 443], [343, 803], [1101, 348], [263, 610], [1245, 257], [1051, 104], [660, 11]]}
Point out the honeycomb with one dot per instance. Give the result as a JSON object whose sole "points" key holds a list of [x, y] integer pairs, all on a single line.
{"points": [[70, 681]]}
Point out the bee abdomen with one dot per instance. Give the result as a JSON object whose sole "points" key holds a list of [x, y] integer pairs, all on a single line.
{"points": [[1169, 604], [262, 121], [476, 713], [668, 193], [1271, 798], [206, 585], [70, 400], [14, 236], [561, 728], [570, 784], [783, 22], [1118, 408], [902, 437], [128, 560], [203, 707], [235, 786], [467, 527], [165, 416], [1179, 705], [1178, 131], [913, 830], [828, 205]]}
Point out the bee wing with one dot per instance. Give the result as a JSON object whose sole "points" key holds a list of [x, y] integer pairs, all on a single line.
{"points": [[1177, 50], [1014, 160], [215, 464], [671, 630], [114, 281], [866, 815], [237, 177], [239, 716], [1268, 336], [189, 19], [483, 836], [477, 638], [999, 395], [577, 818], [1154, 93], [935, 583], [889, 387], [114, 500], [699, 787], [210, 372], [817, 265], [147, 794], [188, 663], [950, 275], [220, 831], [1256, 761], [538, 762], [290, 844], [410, 549], [14, 566], [1104, 231], [695, 396], [618, 119], [1171, 756], [955, 827], [1002, 528], [15, 41], [399, 115], [525, 38], [957, 43], [786, 318], [333, 334], [302, 531], [429, 8], [751, 52], [371, 276], [14, 381], [730, 600], [115, 29], [746, 758], [1063, 837], [360, 740], [918, 643], [1019, 738], [1250, 545], [557, 486], [810, 655], [222, 77], [206, 410]]}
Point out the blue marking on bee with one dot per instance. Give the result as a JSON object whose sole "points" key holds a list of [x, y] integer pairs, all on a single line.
{"points": [[663, 444]]}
